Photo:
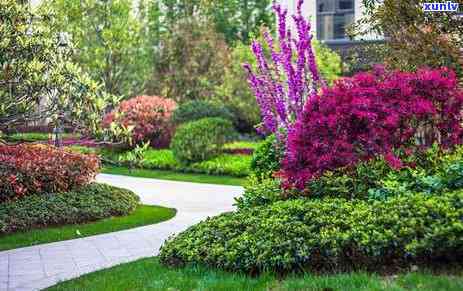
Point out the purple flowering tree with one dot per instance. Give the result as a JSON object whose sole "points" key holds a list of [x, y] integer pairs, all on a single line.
{"points": [[288, 77]]}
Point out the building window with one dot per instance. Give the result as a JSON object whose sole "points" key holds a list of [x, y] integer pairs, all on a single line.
{"points": [[333, 16]]}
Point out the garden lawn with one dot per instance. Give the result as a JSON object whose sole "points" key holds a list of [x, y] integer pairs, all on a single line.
{"points": [[35, 136], [149, 274], [143, 215], [225, 164], [242, 145], [175, 176]]}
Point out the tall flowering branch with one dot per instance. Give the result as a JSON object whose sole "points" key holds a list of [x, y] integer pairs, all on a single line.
{"points": [[285, 81]]}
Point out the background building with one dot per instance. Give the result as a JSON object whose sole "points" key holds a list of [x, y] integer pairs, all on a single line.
{"points": [[330, 18]]}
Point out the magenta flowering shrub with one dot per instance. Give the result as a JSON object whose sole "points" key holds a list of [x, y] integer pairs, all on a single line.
{"points": [[370, 114], [284, 82]]}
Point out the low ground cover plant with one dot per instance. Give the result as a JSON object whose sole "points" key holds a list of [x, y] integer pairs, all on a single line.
{"points": [[84, 204], [432, 172], [38, 169], [331, 234]]}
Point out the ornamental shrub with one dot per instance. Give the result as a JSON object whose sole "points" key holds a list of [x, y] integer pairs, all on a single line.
{"points": [[331, 235], [37, 169], [266, 159], [150, 117], [373, 114], [286, 80], [259, 191], [88, 203], [201, 140], [198, 109]]}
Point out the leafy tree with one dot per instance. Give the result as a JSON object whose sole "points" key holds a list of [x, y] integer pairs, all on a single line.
{"points": [[236, 19], [190, 63], [112, 40], [415, 38], [37, 79]]}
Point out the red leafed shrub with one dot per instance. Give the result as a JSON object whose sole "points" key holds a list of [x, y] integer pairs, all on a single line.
{"points": [[37, 169], [151, 117], [375, 113]]}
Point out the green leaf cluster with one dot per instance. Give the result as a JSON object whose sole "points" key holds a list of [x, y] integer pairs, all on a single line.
{"points": [[327, 235], [201, 140], [89, 203]]}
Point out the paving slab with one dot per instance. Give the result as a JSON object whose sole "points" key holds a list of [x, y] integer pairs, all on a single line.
{"points": [[41, 266]]}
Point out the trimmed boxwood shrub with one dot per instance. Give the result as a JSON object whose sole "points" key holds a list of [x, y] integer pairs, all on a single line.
{"points": [[36, 169], [201, 140], [331, 234], [199, 109], [89, 203]]}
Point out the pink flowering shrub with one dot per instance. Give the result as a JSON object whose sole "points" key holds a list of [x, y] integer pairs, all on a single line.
{"points": [[150, 116], [372, 114], [37, 169]]}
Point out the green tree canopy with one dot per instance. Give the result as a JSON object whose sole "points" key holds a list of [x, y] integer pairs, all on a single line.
{"points": [[190, 63], [37, 78], [112, 40], [236, 19], [415, 37]]}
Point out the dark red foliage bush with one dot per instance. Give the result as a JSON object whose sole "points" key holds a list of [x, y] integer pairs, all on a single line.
{"points": [[36, 169], [244, 151], [370, 114], [151, 116]]}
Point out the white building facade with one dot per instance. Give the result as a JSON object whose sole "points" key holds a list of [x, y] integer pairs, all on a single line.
{"points": [[329, 18]]}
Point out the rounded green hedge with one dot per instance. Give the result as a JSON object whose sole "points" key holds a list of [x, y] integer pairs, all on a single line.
{"points": [[88, 203], [201, 140], [326, 235]]}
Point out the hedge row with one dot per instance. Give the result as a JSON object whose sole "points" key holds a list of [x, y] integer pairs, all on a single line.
{"points": [[89, 203], [331, 234]]}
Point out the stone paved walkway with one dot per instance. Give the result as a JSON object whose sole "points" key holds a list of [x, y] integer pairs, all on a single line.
{"points": [[37, 267]]}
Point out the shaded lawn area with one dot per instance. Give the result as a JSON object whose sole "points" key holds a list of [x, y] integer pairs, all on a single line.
{"points": [[148, 274], [143, 215], [175, 176], [36, 136]]}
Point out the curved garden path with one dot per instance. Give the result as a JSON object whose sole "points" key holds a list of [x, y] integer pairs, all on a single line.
{"points": [[41, 266]]}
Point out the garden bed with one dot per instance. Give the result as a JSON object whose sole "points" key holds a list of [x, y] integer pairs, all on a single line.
{"points": [[45, 218], [236, 165]]}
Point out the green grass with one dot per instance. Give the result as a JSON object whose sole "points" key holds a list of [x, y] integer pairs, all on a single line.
{"points": [[154, 159], [148, 274], [144, 215], [35, 136], [175, 176], [243, 145]]}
